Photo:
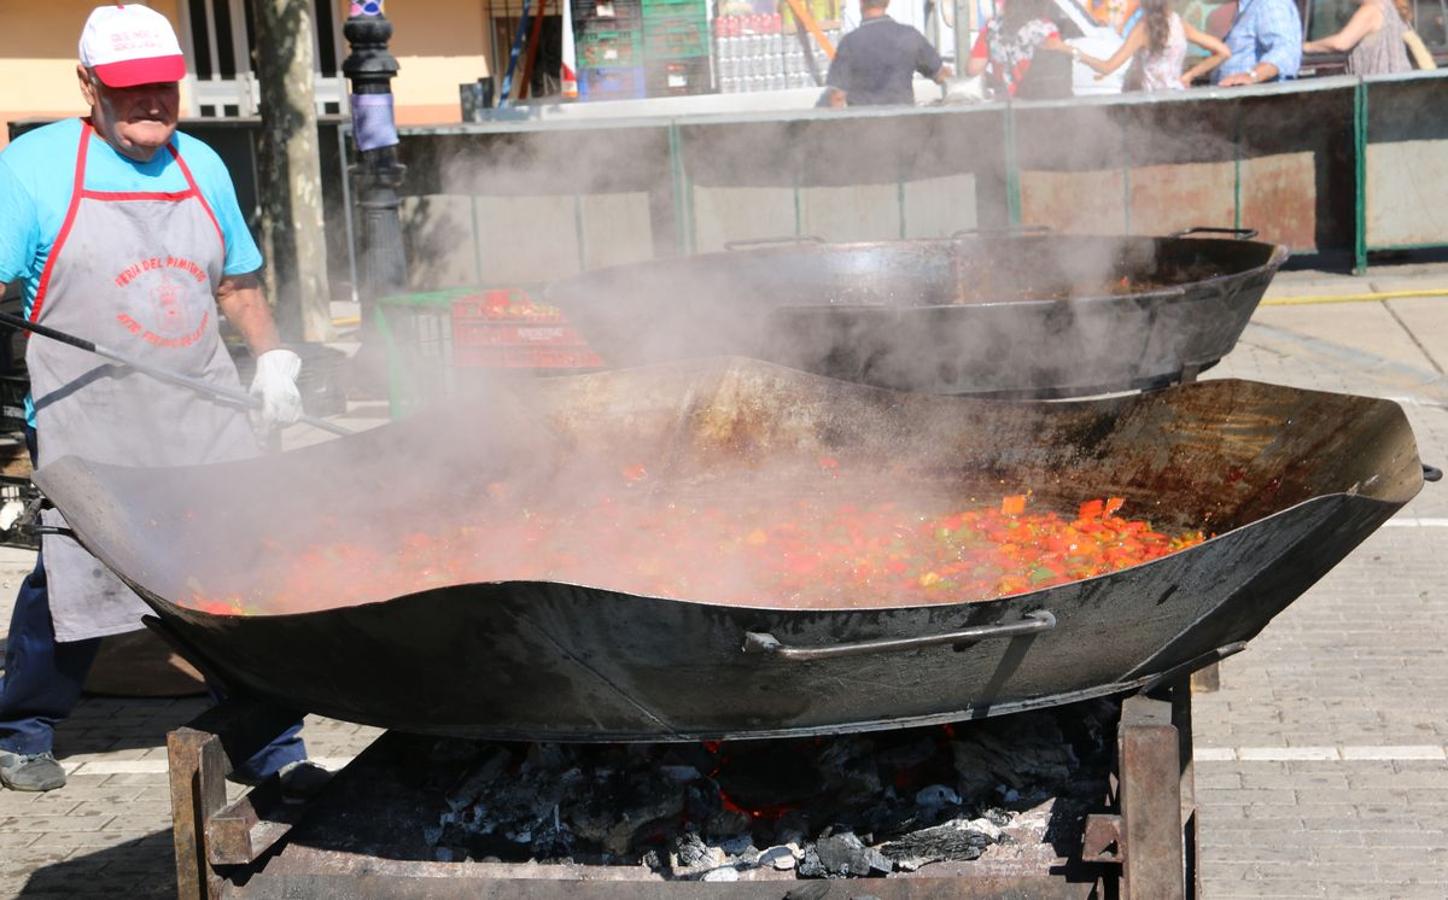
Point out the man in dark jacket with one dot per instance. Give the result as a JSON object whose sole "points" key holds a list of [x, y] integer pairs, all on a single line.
{"points": [[875, 62]]}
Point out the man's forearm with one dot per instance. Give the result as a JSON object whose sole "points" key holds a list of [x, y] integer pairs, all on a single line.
{"points": [[240, 299]]}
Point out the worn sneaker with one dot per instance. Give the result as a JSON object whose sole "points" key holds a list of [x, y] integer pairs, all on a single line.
{"points": [[30, 771]]}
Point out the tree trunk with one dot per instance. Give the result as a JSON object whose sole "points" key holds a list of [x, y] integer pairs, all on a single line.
{"points": [[291, 177]]}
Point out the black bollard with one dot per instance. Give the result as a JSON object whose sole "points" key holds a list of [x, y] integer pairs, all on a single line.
{"points": [[377, 174]]}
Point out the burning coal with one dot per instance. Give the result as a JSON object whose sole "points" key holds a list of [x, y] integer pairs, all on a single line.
{"points": [[847, 806]]}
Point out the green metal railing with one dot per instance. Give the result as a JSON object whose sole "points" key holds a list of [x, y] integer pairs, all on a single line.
{"points": [[1316, 114]]}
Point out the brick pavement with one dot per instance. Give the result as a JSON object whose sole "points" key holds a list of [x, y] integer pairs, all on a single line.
{"points": [[1322, 760], [1351, 680]]}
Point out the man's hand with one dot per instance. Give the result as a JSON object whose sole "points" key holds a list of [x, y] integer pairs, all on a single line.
{"points": [[1263, 71], [275, 384]]}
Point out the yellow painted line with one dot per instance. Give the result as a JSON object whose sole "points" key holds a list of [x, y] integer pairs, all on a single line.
{"points": [[1376, 297], [344, 321]]}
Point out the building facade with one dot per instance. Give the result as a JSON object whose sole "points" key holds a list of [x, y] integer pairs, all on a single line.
{"points": [[438, 43]]}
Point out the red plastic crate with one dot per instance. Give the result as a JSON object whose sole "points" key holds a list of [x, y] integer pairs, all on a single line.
{"points": [[541, 356], [506, 329]]}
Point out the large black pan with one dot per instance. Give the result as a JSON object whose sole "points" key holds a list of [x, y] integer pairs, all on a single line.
{"points": [[1289, 480], [1004, 315]]}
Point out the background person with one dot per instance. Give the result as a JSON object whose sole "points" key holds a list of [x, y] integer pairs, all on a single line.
{"points": [[876, 63], [127, 233], [1373, 39], [1157, 47], [1008, 44], [1265, 41]]}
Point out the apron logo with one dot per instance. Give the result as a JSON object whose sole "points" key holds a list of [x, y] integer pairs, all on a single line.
{"points": [[157, 340], [167, 295], [135, 270]]}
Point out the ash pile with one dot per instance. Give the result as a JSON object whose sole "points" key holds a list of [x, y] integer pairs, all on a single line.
{"points": [[842, 806]]}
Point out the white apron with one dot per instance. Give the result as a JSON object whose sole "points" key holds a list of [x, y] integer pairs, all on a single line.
{"points": [[137, 272]]}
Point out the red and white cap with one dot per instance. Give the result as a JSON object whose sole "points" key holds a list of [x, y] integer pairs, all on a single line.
{"points": [[129, 44]]}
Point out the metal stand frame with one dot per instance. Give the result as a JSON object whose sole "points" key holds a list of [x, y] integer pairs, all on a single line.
{"points": [[1146, 847], [1153, 834]]}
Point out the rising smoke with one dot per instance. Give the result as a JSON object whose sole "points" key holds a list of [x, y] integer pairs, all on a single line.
{"points": [[1013, 314]]}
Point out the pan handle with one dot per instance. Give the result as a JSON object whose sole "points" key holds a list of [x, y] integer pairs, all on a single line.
{"points": [[1243, 234], [765, 242], [1005, 229], [1031, 623]]}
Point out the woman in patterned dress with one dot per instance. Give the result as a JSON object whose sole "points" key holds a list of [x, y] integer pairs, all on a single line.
{"points": [[1157, 47]]}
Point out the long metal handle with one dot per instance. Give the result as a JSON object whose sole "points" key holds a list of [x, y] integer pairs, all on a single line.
{"points": [[1031, 623], [1243, 234], [1004, 229], [240, 398], [766, 242]]}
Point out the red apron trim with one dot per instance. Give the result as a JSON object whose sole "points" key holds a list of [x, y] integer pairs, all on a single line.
{"points": [[76, 192], [116, 196], [191, 182], [79, 192]]}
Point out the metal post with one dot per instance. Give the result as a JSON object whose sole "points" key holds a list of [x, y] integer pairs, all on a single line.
{"points": [[962, 25], [378, 173], [1013, 168], [1360, 167]]}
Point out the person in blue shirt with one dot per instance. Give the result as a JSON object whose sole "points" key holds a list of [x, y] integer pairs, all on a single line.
{"points": [[1265, 41], [875, 63], [128, 234]]}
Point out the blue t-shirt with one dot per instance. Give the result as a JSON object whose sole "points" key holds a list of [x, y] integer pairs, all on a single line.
{"points": [[37, 174]]}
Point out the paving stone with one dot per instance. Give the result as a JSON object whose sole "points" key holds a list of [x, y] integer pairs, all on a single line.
{"points": [[1415, 838], [1247, 797], [90, 821]]}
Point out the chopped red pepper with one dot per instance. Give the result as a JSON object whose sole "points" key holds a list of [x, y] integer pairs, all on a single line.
{"points": [[831, 547]]}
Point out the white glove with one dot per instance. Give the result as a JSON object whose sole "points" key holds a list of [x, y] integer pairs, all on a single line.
{"points": [[275, 383]]}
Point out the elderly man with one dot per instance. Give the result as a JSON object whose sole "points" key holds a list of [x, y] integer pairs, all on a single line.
{"points": [[874, 63], [127, 233], [1266, 43]]}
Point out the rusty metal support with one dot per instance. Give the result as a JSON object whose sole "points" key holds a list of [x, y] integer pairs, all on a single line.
{"points": [[242, 831], [199, 756], [197, 768], [1207, 680], [1181, 718], [1154, 795]]}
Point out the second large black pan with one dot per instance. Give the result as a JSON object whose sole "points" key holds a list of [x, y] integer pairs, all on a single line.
{"points": [[1031, 315]]}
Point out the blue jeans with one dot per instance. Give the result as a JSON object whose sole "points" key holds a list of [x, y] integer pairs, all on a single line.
{"points": [[44, 677]]}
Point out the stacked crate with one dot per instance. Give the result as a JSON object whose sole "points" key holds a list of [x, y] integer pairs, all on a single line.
{"points": [[636, 48], [442, 344], [676, 46], [609, 40]]}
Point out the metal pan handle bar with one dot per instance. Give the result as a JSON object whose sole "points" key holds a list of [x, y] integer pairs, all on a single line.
{"points": [[1031, 623], [771, 241], [1245, 234], [1004, 229], [225, 394]]}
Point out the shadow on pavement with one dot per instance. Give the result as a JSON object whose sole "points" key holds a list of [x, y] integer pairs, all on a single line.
{"points": [[143, 867], [101, 724]]}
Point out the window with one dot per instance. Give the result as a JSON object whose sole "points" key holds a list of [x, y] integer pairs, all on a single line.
{"points": [[218, 39]]}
